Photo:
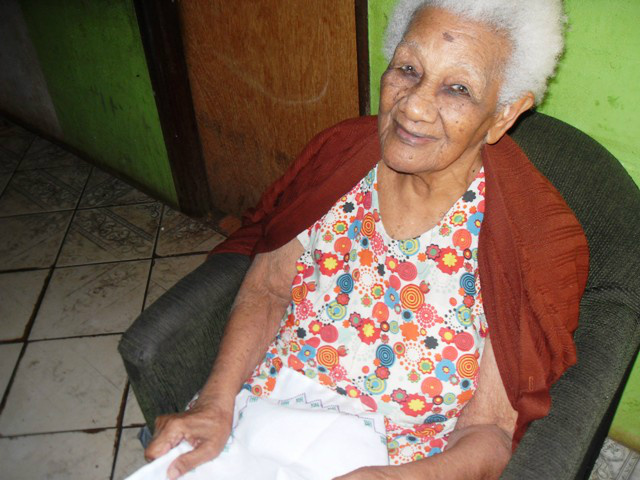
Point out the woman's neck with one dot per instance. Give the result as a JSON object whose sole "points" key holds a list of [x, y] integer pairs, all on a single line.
{"points": [[413, 203]]}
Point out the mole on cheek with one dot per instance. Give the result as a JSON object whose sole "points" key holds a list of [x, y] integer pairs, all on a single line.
{"points": [[447, 36]]}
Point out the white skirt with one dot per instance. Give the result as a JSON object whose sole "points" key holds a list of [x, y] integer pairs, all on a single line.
{"points": [[303, 431]]}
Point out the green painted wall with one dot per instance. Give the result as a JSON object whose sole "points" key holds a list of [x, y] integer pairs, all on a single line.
{"points": [[379, 12], [596, 88], [94, 64]]}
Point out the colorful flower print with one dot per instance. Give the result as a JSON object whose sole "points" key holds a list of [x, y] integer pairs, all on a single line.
{"points": [[391, 297], [399, 395], [433, 252], [474, 223], [447, 335], [354, 229], [469, 196], [340, 227], [329, 264], [336, 311], [444, 369], [380, 312], [449, 262], [307, 352], [461, 238], [377, 291], [445, 230], [342, 246], [368, 332], [415, 405], [385, 355], [411, 297], [410, 247], [458, 218], [396, 324], [407, 271], [425, 365]]}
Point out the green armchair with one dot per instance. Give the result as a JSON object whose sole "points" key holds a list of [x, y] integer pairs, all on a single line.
{"points": [[169, 349]]}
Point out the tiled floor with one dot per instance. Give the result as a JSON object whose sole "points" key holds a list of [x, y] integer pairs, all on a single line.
{"points": [[81, 254]]}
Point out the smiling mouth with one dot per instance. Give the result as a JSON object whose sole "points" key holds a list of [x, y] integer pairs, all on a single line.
{"points": [[412, 138]]}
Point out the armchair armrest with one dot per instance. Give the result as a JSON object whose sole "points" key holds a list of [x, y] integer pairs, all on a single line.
{"points": [[169, 349], [565, 444]]}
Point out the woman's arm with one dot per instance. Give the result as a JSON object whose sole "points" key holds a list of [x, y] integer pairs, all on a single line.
{"points": [[480, 445], [253, 323]]}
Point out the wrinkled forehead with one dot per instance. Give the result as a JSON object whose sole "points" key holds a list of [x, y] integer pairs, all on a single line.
{"points": [[435, 28]]}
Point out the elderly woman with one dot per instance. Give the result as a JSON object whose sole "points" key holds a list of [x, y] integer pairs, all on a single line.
{"points": [[416, 266]]}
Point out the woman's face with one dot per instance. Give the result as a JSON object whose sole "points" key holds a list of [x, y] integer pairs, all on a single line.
{"points": [[439, 96]]}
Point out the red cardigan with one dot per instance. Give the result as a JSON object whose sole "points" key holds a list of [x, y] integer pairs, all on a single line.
{"points": [[533, 255]]}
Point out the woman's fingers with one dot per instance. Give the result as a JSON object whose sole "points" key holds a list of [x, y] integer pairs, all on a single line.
{"points": [[169, 432], [190, 460]]}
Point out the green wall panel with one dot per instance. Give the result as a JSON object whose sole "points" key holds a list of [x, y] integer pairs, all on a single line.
{"points": [[94, 64], [379, 12], [596, 89]]}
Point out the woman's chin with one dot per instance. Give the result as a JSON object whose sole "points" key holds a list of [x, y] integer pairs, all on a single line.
{"points": [[408, 163]]}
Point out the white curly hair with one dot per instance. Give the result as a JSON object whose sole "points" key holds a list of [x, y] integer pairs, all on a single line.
{"points": [[534, 27]]}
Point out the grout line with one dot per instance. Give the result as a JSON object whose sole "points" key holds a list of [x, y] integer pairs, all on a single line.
{"points": [[25, 337], [15, 169], [153, 260], [73, 216], [54, 432], [107, 262], [111, 205], [119, 421], [41, 212], [72, 337]]}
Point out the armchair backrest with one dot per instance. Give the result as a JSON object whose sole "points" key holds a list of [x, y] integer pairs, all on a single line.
{"points": [[606, 201]]}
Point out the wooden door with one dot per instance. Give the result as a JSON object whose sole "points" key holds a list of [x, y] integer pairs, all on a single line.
{"points": [[265, 76]]}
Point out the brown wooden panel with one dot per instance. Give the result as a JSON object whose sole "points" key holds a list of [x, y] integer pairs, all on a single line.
{"points": [[266, 75]]}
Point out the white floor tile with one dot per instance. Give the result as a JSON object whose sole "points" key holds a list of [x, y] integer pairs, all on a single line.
{"points": [[8, 356], [167, 271], [19, 292], [32, 241], [132, 413], [130, 454], [181, 234], [58, 456], [111, 234], [616, 462], [61, 385], [92, 299]]}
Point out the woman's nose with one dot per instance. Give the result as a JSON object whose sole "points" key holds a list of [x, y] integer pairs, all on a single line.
{"points": [[420, 105]]}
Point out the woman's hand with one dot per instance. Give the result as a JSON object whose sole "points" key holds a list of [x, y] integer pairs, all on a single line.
{"points": [[206, 427]]}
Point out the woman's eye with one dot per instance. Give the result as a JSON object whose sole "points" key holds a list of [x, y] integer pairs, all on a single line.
{"points": [[459, 89], [408, 69]]}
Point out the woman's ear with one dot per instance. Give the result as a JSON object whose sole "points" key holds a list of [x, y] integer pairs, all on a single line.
{"points": [[507, 117]]}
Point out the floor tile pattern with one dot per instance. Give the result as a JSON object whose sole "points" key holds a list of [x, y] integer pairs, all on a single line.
{"points": [[44, 154], [43, 190], [80, 256], [58, 456], [111, 234], [616, 462], [32, 241], [104, 190], [19, 292], [92, 299]]}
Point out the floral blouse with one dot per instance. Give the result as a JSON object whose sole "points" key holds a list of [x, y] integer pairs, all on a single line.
{"points": [[396, 325]]}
